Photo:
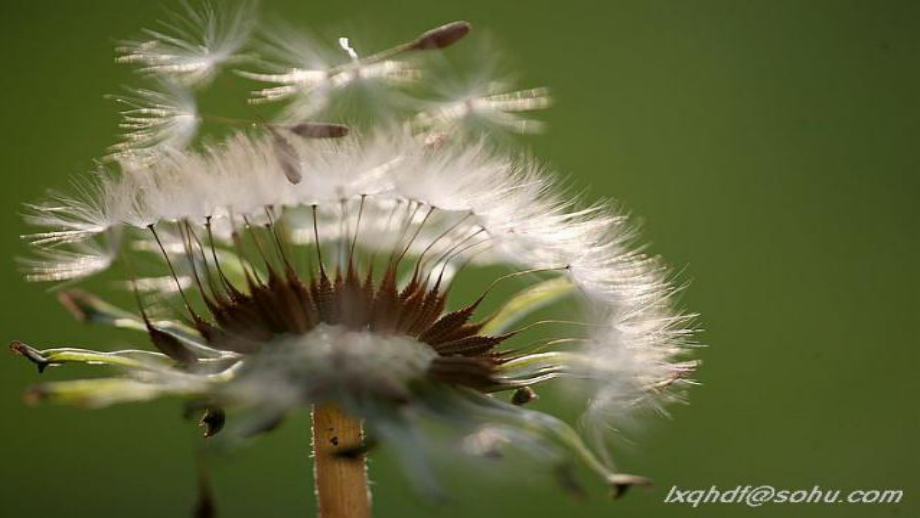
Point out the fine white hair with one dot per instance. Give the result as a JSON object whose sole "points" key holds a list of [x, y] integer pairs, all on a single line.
{"points": [[155, 122], [191, 47]]}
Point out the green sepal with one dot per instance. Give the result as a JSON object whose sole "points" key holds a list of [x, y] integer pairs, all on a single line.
{"points": [[526, 302]]}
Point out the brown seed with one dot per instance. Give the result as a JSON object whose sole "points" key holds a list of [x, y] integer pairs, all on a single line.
{"points": [[443, 36], [318, 130], [287, 158]]}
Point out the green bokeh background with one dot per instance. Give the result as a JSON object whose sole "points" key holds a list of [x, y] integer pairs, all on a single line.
{"points": [[770, 148]]}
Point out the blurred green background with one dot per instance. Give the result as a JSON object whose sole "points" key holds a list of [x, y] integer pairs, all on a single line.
{"points": [[770, 148]]}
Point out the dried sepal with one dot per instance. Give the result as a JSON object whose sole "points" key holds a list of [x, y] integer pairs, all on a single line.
{"points": [[130, 359], [212, 421], [523, 395]]}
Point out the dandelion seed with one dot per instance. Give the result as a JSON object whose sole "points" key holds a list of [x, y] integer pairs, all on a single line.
{"points": [[77, 260], [496, 107], [156, 123], [313, 77], [194, 45]]}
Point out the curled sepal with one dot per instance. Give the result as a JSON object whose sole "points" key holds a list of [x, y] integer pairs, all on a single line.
{"points": [[130, 359], [526, 302], [531, 369], [547, 428], [101, 392], [91, 309]]}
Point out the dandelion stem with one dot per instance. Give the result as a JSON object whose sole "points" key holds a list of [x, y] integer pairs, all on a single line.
{"points": [[341, 480]]}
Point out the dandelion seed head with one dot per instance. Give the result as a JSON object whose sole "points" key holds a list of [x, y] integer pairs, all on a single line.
{"points": [[310, 261]]}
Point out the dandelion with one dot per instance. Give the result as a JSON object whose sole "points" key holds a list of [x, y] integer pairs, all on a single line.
{"points": [[316, 267]]}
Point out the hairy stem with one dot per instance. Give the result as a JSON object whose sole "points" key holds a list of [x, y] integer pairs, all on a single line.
{"points": [[339, 472]]}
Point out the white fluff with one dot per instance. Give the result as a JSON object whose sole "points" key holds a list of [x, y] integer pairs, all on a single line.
{"points": [[192, 46], [156, 122], [511, 202], [312, 76], [69, 262], [493, 104]]}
